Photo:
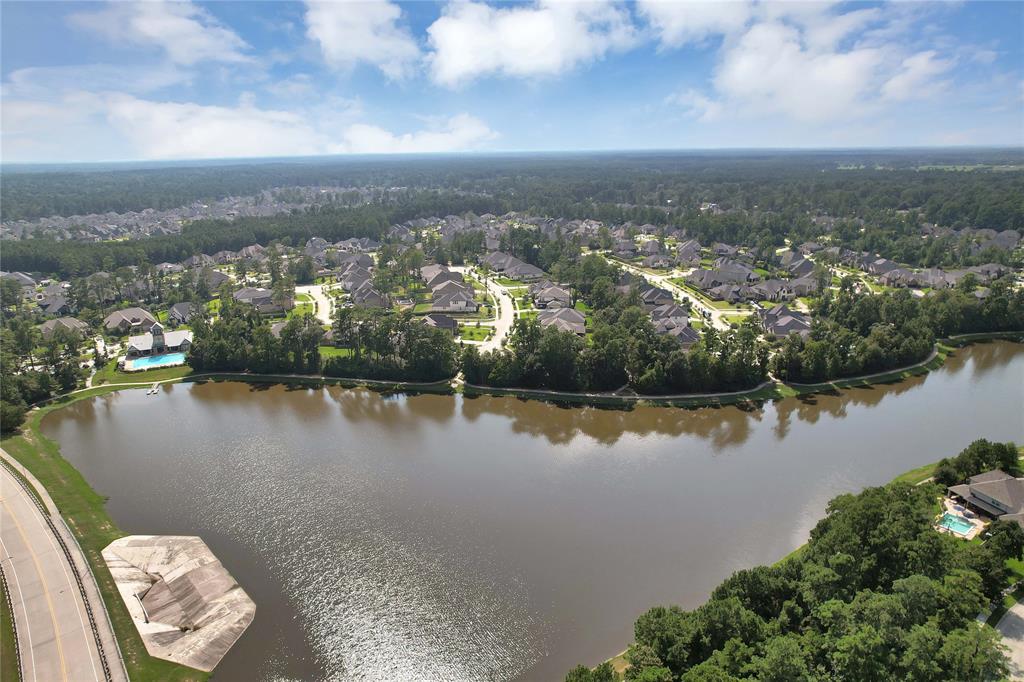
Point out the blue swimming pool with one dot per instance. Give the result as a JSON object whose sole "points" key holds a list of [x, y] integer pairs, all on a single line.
{"points": [[154, 361], [955, 523]]}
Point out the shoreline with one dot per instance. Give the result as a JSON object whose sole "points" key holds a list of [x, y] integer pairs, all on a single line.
{"points": [[85, 510]]}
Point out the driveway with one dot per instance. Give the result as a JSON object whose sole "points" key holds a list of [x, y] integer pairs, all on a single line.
{"points": [[1011, 626]]}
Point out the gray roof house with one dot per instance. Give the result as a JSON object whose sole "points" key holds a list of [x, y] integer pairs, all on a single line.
{"points": [[564, 319], [68, 323], [996, 493], [157, 341], [180, 313], [780, 321], [440, 322], [128, 319]]}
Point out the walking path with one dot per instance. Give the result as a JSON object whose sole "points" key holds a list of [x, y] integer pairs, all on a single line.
{"points": [[60, 621]]}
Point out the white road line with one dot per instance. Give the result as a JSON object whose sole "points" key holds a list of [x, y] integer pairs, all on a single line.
{"points": [[28, 625], [86, 630]]}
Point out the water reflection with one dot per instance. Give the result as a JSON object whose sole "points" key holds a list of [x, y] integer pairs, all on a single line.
{"points": [[439, 537]]}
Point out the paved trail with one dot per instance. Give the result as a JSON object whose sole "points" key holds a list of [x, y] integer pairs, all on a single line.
{"points": [[1011, 626], [55, 637]]}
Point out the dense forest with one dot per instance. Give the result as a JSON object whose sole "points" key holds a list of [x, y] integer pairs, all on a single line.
{"points": [[876, 594], [863, 333]]}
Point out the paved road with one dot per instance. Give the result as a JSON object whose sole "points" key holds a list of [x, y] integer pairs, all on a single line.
{"points": [[55, 638], [717, 315], [506, 312], [1011, 626], [323, 301]]}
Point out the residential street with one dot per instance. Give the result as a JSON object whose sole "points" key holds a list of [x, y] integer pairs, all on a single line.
{"points": [[54, 635], [505, 313], [323, 301], [717, 316]]}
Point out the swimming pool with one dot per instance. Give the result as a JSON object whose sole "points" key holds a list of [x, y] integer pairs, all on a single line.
{"points": [[955, 523], [154, 361]]}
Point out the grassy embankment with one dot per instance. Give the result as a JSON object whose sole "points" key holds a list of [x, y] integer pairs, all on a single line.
{"points": [[8, 650], [84, 511]]}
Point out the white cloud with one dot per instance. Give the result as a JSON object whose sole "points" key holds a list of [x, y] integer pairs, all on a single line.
{"points": [[472, 39], [769, 69], [368, 31], [678, 22], [917, 77], [459, 133], [697, 105], [187, 33], [81, 126]]}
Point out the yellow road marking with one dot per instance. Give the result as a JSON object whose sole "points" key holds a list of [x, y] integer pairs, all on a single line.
{"points": [[46, 591]]}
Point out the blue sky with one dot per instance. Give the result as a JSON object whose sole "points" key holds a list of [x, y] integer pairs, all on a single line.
{"points": [[160, 80]]}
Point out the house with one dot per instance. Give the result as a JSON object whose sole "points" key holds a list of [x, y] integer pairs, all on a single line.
{"points": [[199, 260], [773, 290], [429, 272], [625, 248], [156, 341], [453, 297], [994, 493], [668, 311], [23, 280], [564, 319], [253, 295], [805, 286], [54, 305], [688, 252], [652, 296], [213, 278], [658, 262], [128, 319], [180, 313], [69, 323], [651, 247], [222, 257], [733, 293], [169, 268], [444, 276], [800, 267], [439, 321], [720, 249], [679, 330], [898, 277], [524, 271], [367, 295], [780, 322], [551, 296], [880, 266]]}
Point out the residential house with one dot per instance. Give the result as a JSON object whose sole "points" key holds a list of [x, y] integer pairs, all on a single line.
{"points": [[625, 248], [367, 295], [564, 319], [24, 280], [720, 249], [773, 290], [54, 305], [439, 321], [128, 319], [780, 322], [180, 313], [658, 262], [68, 323], [198, 261], [156, 341], [549, 295], [688, 252], [994, 493], [651, 247], [261, 299]]}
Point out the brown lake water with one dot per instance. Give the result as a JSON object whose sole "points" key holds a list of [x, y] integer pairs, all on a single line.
{"points": [[442, 538]]}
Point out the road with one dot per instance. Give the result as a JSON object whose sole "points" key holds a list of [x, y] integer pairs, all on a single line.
{"points": [[50, 616], [324, 309], [505, 312], [717, 316], [1011, 626]]}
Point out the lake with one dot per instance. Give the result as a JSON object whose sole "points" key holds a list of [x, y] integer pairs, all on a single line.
{"points": [[442, 538]]}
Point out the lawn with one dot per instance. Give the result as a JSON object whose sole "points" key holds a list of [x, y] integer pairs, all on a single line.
{"points": [[334, 352], [302, 308], [109, 374], [506, 282], [86, 516], [472, 333], [8, 652]]}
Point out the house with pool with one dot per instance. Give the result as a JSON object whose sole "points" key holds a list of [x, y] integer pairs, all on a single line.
{"points": [[156, 348], [992, 495]]}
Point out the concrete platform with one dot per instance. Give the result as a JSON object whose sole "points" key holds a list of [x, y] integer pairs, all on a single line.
{"points": [[186, 606]]}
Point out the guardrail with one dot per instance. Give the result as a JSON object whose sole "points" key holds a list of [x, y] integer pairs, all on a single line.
{"points": [[78, 574], [14, 625]]}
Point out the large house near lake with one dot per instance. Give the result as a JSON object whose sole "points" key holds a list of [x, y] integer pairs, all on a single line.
{"points": [[128, 319], [994, 493], [157, 342]]}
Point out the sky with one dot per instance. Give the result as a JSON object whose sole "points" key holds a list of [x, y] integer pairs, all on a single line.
{"points": [[86, 81]]}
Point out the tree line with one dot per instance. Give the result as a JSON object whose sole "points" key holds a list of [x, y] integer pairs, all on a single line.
{"points": [[876, 594], [862, 333]]}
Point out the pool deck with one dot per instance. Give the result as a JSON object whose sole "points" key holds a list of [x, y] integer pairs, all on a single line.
{"points": [[977, 524], [129, 364]]}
